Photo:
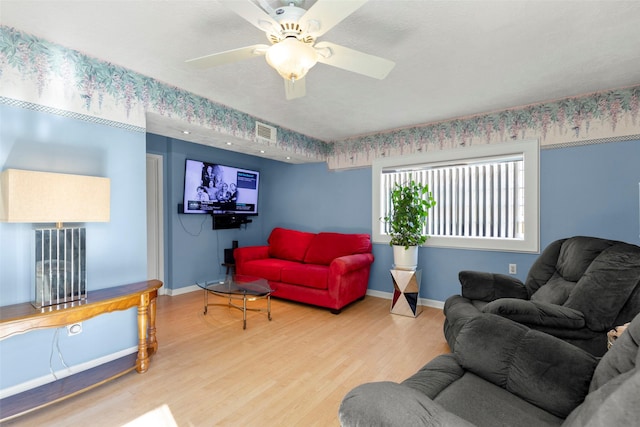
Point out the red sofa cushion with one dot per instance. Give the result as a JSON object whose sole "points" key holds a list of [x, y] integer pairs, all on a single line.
{"points": [[267, 268], [309, 276], [325, 247], [289, 244]]}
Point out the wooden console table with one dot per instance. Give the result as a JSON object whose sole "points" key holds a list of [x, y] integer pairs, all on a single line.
{"points": [[20, 318]]}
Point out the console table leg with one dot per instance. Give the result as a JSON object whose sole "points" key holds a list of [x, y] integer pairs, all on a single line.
{"points": [[152, 345], [142, 362]]}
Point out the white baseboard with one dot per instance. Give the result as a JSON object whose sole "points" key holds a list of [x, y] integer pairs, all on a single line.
{"points": [[432, 303], [185, 290], [423, 301], [380, 294], [37, 382]]}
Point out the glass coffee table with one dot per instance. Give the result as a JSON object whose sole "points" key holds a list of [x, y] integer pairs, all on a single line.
{"points": [[239, 287]]}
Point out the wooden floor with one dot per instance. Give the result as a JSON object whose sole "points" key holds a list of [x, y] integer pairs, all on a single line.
{"points": [[291, 371]]}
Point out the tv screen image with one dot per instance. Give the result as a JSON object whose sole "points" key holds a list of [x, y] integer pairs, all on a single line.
{"points": [[219, 189]]}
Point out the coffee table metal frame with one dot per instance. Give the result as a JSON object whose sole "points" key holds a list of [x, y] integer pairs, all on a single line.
{"points": [[238, 287]]}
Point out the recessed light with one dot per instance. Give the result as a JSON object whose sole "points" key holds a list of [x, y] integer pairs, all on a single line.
{"points": [[288, 158], [186, 132], [228, 143], [261, 151]]}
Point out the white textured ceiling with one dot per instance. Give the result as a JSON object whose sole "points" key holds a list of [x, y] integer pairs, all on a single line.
{"points": [[453, 58]]}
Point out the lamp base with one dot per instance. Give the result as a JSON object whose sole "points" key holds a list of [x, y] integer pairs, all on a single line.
{"points": [[60, 266]]}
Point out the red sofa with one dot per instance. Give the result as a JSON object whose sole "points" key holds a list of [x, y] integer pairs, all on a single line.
{"points": [[325, 269]]}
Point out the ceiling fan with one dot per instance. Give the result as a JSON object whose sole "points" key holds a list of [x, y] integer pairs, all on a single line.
{"points": [[292, 32]]}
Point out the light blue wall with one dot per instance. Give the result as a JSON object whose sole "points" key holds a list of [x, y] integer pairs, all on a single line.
{"points": [[193, 250], [588, 190], [116, 251], [305, 197], [591, 190], [312, 198]]}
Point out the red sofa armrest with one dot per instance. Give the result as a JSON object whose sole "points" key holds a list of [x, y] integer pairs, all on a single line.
{"points": [[249, 253], [348, 263], [349, 278]]}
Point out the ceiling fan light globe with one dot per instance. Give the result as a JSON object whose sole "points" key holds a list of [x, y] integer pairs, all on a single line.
{"points": [[291, 58]]}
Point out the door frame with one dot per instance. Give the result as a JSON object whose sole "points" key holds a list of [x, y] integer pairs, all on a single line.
{"points": [[155, 219]]}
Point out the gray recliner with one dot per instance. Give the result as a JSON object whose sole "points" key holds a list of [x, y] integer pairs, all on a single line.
{"points": [[505, 374], [578, 289]]}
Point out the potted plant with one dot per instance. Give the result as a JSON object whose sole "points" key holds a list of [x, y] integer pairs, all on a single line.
{"points": [[411, 202]]}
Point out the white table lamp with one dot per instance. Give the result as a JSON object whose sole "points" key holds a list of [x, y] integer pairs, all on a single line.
{"points": [[60, 252]]}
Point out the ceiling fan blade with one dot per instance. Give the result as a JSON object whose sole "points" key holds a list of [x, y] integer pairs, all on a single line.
{"points": [[266, 7], [325, 14], [353, 60], [228, 56], [293, 90], [252, 13]]}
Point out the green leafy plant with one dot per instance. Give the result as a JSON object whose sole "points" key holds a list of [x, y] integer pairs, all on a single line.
{"points": [[411, 202]]}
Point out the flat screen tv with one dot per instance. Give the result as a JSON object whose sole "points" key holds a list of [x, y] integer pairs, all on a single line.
{"points": [[220, 190]]}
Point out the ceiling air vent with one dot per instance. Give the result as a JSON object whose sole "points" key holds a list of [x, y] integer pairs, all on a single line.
{"points": [[265, 132]]}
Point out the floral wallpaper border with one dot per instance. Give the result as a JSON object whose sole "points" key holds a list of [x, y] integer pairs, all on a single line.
{"points": [[611, 115], [38, 72], [96, 87]]}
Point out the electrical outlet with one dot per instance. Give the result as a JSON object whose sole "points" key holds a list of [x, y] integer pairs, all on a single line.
{"points": [[513, 269], [74, 329]]}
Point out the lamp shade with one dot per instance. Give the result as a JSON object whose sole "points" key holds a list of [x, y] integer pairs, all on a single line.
{"points": [[29, 196], [291, 58]]}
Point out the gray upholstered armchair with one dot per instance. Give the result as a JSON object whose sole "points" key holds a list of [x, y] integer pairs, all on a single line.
{"points": [[577, 290], [505, 374]]}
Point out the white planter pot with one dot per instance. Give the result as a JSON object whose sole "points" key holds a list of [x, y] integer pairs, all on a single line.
{"points": [[405, 259]]}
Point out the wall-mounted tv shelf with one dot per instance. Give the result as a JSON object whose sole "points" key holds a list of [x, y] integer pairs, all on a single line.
{"points": [[224, 222]]}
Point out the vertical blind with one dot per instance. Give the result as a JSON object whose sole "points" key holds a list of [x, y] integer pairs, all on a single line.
{"points": [[482, 199]]}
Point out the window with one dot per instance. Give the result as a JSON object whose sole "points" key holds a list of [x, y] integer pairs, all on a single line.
{"points": [[487, 197]]}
